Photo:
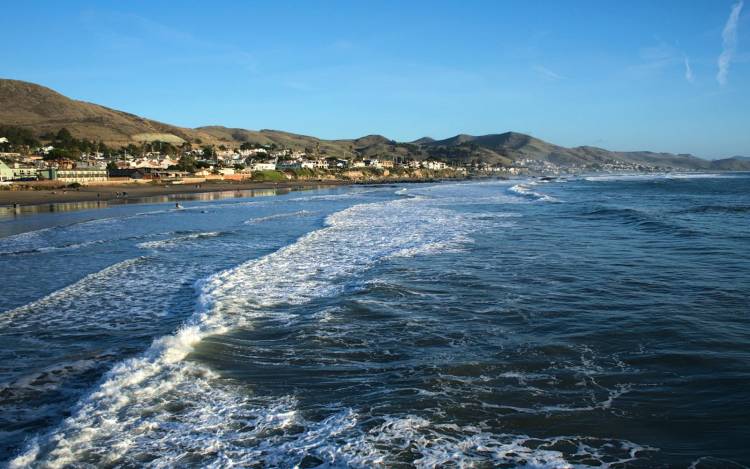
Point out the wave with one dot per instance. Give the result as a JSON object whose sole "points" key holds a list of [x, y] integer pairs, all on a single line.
{"points": [[280, 216], [178, 240], [722, 209], [131, 412], [64, 247], [641, 219], [526, 191], [659, 176]]}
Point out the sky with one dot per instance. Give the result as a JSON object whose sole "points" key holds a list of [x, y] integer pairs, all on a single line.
{"points": [[668, 75]]}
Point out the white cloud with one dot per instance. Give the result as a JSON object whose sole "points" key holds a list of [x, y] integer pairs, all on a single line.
{"points": [[548, 73], [729, 37], [688, 70]]}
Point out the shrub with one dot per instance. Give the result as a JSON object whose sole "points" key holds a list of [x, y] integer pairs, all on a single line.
{"points": [[269, 176]]}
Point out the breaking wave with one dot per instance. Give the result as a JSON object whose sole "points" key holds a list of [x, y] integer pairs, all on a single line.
{"points": [[157, 406], [525, 190], [280, 216], [178, 240]]}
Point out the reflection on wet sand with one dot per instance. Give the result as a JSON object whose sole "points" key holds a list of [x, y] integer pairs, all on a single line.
{"points": [[93, 204]]}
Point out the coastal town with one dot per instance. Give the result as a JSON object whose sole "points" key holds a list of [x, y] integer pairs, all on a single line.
{"points": [[63, 160]]}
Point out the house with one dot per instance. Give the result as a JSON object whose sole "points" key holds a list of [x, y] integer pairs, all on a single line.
{"points": [[79, 175], [6, 174], [320, 163], [263, 166], [169, 174], [17, 172], [288, 164], [23, 172], [386, 164], [132, 173], [434, 165]]}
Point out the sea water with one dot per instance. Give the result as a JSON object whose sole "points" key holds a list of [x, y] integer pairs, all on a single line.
{"points": [[598, 321]]}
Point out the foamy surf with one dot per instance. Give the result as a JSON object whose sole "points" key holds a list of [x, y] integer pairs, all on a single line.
{"points": [[178, 240], [525, 190], [280, 216], [127, 408]]}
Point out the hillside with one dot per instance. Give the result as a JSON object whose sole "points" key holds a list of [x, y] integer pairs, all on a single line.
{"points": [[43, 110]]}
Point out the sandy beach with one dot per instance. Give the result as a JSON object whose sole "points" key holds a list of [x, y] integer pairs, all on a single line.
{"points": [[138, 191]]}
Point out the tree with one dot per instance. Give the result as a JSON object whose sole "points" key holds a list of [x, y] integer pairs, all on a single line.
{"points": [[64, 137], [18, 136], [62, 153], [208, 151]]}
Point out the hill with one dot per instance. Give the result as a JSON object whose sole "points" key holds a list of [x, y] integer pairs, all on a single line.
{"points": [[42, 110]]}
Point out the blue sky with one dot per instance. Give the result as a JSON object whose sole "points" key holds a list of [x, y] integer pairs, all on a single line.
{"points": [[621, 75]]}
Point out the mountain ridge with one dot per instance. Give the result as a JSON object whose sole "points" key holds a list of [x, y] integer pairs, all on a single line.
{"points": [[43, 110]]}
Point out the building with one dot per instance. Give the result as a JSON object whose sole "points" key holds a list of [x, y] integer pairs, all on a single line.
{"points": [[6, 174], [23, 172], [434, 165], [79, 175], [263, 166], [16, 172], [290, 164], [132, 173]]}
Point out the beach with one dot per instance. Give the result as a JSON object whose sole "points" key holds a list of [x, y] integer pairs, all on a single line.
{"points": [[130, 192]]}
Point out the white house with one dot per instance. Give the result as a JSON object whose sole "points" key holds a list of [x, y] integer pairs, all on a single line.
{"points": [[263, 166], [434, 165]]}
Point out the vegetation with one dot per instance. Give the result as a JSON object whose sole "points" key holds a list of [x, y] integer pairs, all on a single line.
{"points": [[269, 176], [17, 136]]}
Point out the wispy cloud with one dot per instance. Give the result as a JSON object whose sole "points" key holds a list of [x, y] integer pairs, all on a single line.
{"points": [[657, 59], [548, 73], [729, 37], [688, 70]]}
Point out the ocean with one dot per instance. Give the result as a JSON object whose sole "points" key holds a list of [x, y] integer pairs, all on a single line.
{"points": [[596, 321]]}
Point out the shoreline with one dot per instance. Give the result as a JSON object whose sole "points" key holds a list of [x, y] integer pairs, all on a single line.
{"points": [[134, 192], [125, 193]]}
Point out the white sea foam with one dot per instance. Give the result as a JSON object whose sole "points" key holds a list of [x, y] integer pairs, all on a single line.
{"points": [[525, 190], [657, 176], [178, 240], [162, 410], [129, 402], [280, 216]]}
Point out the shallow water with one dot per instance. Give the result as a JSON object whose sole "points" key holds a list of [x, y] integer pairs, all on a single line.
{"points": [[601, 321]]}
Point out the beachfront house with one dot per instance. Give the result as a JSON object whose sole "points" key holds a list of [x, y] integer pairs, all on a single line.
{"points": [[263, 166], [6, 174], [434, 165], [79, 175], [288, 164]]}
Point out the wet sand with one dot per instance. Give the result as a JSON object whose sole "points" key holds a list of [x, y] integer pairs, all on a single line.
{"points": [[139, 191]]}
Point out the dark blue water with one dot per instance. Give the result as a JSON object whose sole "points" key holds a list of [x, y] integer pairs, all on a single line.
{"points": [[593, 322]]}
